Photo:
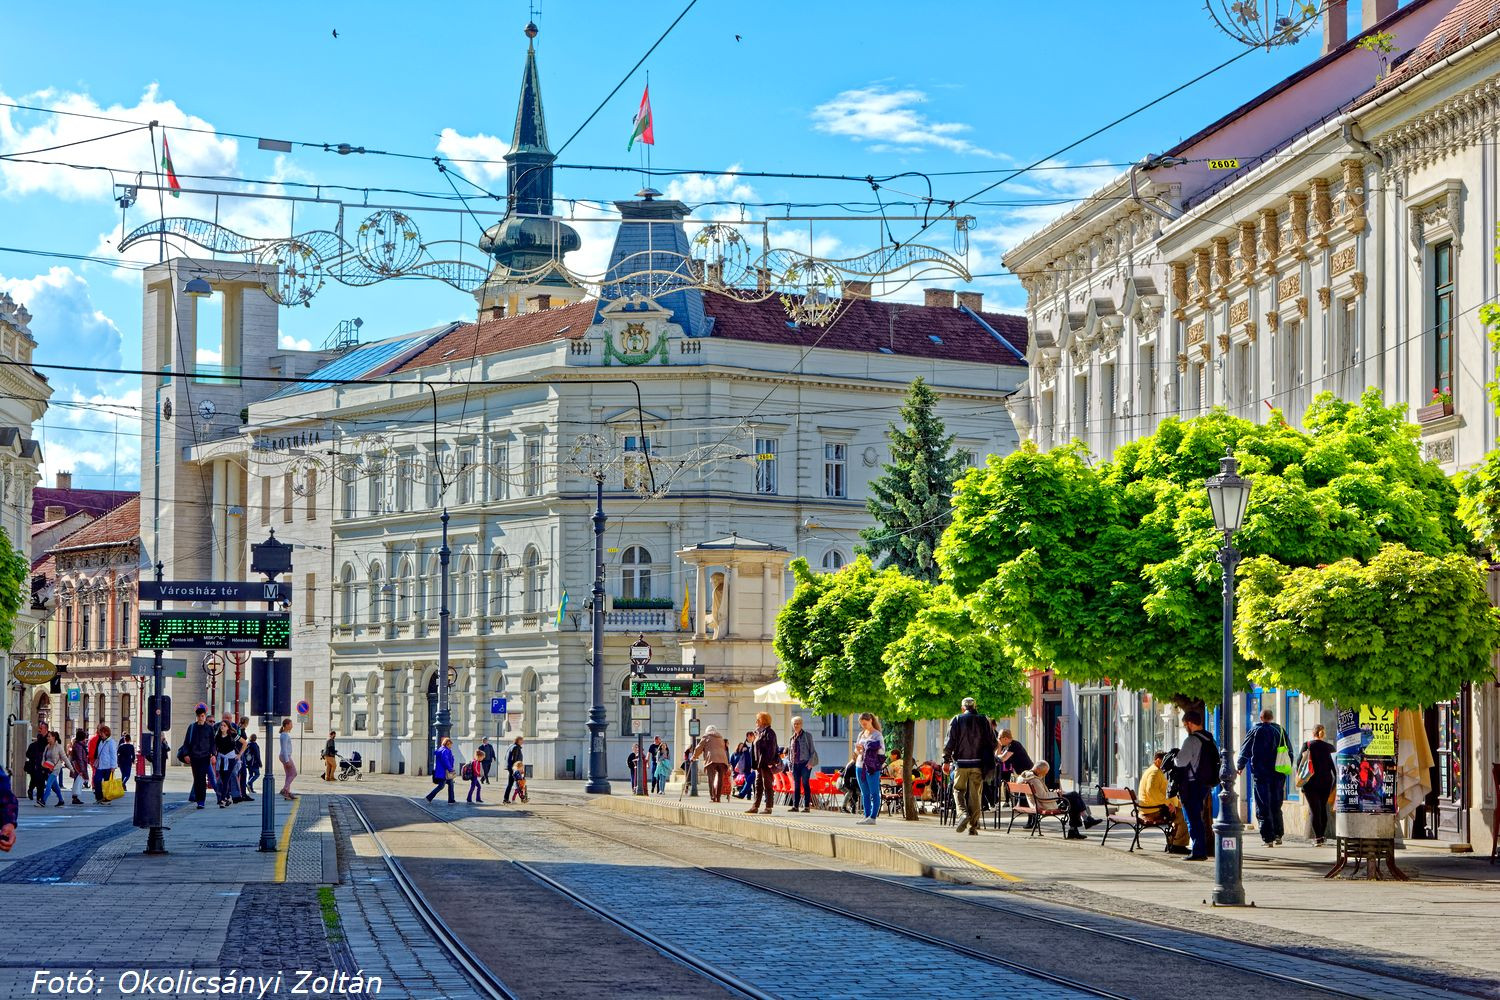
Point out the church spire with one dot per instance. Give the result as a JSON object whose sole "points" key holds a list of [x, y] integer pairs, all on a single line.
{"points": [[530, 135], [528, 177]]}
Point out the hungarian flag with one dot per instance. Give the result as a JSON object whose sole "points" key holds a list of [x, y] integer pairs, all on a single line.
{"points": [[643, 122], [166, 164]]}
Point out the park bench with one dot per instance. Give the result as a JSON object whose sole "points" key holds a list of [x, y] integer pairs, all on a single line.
{"points": [[1021, 792], [1122, 809]]}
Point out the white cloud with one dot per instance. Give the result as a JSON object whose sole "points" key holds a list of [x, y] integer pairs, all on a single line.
{"points": [[890, 121], [293, 344], [454, 145]]}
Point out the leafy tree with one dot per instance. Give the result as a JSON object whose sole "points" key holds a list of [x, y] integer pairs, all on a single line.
{"points": [[948, 654], [910, 499], [15, 587], [1402, 630]]}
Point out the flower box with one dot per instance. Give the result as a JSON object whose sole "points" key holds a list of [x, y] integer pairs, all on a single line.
{"points": [[1434, 411]]}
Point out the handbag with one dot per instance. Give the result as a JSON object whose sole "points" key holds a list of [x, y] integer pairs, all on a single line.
{"points": [[113, 787], [1304, 768], [1284, 756]]}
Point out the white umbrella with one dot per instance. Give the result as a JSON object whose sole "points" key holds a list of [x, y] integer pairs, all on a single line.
{"points": [[774, 693]]}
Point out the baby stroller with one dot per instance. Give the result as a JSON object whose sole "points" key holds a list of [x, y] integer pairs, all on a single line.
{"points": [[850, 785], [350, 767], [520, 790]]}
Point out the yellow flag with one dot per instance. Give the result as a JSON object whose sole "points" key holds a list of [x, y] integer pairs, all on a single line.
{"points": [[685, 622]]}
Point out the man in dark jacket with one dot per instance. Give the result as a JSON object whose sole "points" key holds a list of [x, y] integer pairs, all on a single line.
{"points": [[330, 758], [36, 777], [198, 751], [489, 759], [1259, 751], [971, 750], [1198, 770], [765, 755], [10, 813]]}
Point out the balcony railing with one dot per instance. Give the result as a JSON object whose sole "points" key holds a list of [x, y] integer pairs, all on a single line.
{"points": [[654, 619], [216, 374]]}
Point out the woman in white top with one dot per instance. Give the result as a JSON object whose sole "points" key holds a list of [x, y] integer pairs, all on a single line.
{"points": [[284, 754], [106, 759], [869, 750]]}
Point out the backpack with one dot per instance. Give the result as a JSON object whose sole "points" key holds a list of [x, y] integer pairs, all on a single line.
{"points": [[467, 771]]}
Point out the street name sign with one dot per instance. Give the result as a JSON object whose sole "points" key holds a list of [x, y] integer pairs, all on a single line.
{"points": [[34, 670], [654, 669], [215, 630], [667, 689], [214, 590]]}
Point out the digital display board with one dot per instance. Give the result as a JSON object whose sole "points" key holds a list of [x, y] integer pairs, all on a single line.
{"points": [[667, 689], [214, 630]]}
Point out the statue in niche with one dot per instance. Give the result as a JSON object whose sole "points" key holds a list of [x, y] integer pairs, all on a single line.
{"points": [[717, 626]]}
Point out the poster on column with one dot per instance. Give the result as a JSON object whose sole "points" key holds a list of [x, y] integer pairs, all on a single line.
{"points": [[1366, 761]]}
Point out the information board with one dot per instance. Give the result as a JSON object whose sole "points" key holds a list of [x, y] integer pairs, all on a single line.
{"points": [[214, 590], [667, 689], [214, 630]]}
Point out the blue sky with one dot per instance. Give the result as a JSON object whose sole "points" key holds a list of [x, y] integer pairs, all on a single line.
{"points": [[876, 89]]}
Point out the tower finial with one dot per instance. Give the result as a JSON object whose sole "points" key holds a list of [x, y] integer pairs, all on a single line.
{"points": [[531, 29]]}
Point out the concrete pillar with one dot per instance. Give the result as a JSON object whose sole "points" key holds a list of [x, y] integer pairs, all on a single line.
{"points": [[767, 609], [731, 597], [698, 610]]}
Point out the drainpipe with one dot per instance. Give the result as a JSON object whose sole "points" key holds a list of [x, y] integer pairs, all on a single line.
{"points": [[1152, 163]]}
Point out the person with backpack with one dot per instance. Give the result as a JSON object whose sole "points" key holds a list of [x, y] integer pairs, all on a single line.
{"points": [[1269, 755], [197, 751], [971, 749], [442, 770], [474, 772], [869, 747], [78, 763], [513, 760], [252, 764], [765, 754], [36, 776], [1197, 764]]}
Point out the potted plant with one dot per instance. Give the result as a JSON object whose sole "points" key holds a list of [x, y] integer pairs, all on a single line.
{"points": [[1441, 405]]}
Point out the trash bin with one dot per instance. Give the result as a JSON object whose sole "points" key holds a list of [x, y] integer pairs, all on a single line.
{"points": [[147, 801], [571, 765]]}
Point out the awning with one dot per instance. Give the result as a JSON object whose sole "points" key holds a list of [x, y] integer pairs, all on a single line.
{"points": [[774, 693]]}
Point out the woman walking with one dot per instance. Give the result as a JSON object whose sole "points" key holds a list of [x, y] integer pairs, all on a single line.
{"points": [[106, 759], [226, 750], [442, 770], [765, 756], [714, 750], [1319, 753], [870, 750], [54, 760], [284, 754], [78, 763], [127, 760], [476, 774]]}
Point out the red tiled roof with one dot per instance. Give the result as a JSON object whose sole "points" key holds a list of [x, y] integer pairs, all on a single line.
{"points": [[119, 525], [45, 566], [96, 502], [1465, 24], [870, 324], [495, 335]]}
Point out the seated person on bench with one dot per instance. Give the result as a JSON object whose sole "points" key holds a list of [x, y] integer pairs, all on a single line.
{"points": [[1046, 798], [1155, 805]]}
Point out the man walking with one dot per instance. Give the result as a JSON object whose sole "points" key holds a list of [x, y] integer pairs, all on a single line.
{"points": [[197, 752], [488, 749], [330, 758], [36, 775], [1199, 761], [971, 750], [127, 760], [1259, 750], [513, 760]]}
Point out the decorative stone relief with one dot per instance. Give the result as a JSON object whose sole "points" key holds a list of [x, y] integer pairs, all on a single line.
{"points": [[1438, 450], [1222, 270], [1302, 306], [1202, 274], [1357, 279], [1247, 249], [1297, 210], [1273, 321], [1342, 261], [1443, 211], [1289, 287], [1203, 351], [1250, 332], [1195, 333], [1182, 362], [1239, 312], [1179, 287], [1270, 238], [1322, 209], [1353, 216], [1325, 295], [1223, 340]]}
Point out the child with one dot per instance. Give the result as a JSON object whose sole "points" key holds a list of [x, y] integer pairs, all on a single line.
{"points": [[475, 769]]}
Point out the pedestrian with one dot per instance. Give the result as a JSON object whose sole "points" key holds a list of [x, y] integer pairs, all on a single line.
{"points": [[106, 759], [127, 760], [331, 757], [870, 751], [252, 764], [764, 754], [1198, 769], [971, 749], [1047, 797], [801, 758], [10, 812], [659, 752], [489, 757], [442, 769], [284, 754], [226, 755], [54, 763], [714, 750], [197, 751], [1319, 754], [513, 759], [740, 766], [475, 769], [238, 791], [1156, 805], [1261, 750], [243, 779], [78, 763], [36, 778]]}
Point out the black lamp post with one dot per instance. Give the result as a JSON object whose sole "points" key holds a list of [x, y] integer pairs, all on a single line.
{"points": [[598, 757], [1229, 496], [270, 558]]}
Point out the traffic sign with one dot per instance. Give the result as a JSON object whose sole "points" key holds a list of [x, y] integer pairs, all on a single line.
{"points": [[214, 591], [34, 670], [640, 727], [497, 706], [215, 630], [143, 666], [668, 689], [303, 708], [75, 694], [653, 669], [640, 712]]}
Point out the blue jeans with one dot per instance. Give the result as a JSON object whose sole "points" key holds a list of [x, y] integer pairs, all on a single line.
{"points": [[54, 784], [1269, 794], [869, 791], [802, 785], [1192, 808]]}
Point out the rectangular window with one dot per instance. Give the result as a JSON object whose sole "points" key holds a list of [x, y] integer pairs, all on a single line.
{"points": [[466, 475], [403, 483], [67, 636], [312, 494], [634, 466], [1147, 385], [1442, 316], [286, 498], [434, 480], [533, 471], [1348, 357], [265, 500], [833, 726], [310, 599], [1291, 359], [351, 491], [765, 465], [500, 472], [102, 626], [377, 486], [88, 618], [125, 622], [835, 470], [1240, 363]]}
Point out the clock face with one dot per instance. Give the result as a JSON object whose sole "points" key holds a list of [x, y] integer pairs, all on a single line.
{"points": [[207, 409]]}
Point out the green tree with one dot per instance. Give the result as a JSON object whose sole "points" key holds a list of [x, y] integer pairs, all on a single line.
{"points": [[15, 587], [1402, 630], [947, 654], [910, 499]]}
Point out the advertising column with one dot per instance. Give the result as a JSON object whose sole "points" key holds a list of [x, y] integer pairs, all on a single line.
{"points": [[1365, 793]]}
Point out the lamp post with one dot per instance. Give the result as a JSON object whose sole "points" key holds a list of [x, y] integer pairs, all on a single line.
{"points": [[1228, 496], [598, 756], [270, 558], [444, 720]]}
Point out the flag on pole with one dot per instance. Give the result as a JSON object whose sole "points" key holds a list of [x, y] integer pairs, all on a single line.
{"points": [[562, 607], [685, 622], [643, 130], [166, 164]]}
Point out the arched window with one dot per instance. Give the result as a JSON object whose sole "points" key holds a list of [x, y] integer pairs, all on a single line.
{"points": [[377, 595], [432, 592], [635, 574], [404, 586], [529, 701], [344, 707], [346, 595], [533, 580], [464, 588], [497, 595], [625, 702], [833, 559]]}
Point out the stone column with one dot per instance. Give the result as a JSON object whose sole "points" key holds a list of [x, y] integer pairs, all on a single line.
{"points": [[767, 609], [698, 610]]}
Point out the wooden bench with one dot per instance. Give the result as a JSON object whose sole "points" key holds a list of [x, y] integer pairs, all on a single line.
{"points": [[1122, 809], [1058, 808]]}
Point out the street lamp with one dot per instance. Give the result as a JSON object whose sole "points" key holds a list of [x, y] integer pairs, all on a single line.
{"points": [[1228, 496]]}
